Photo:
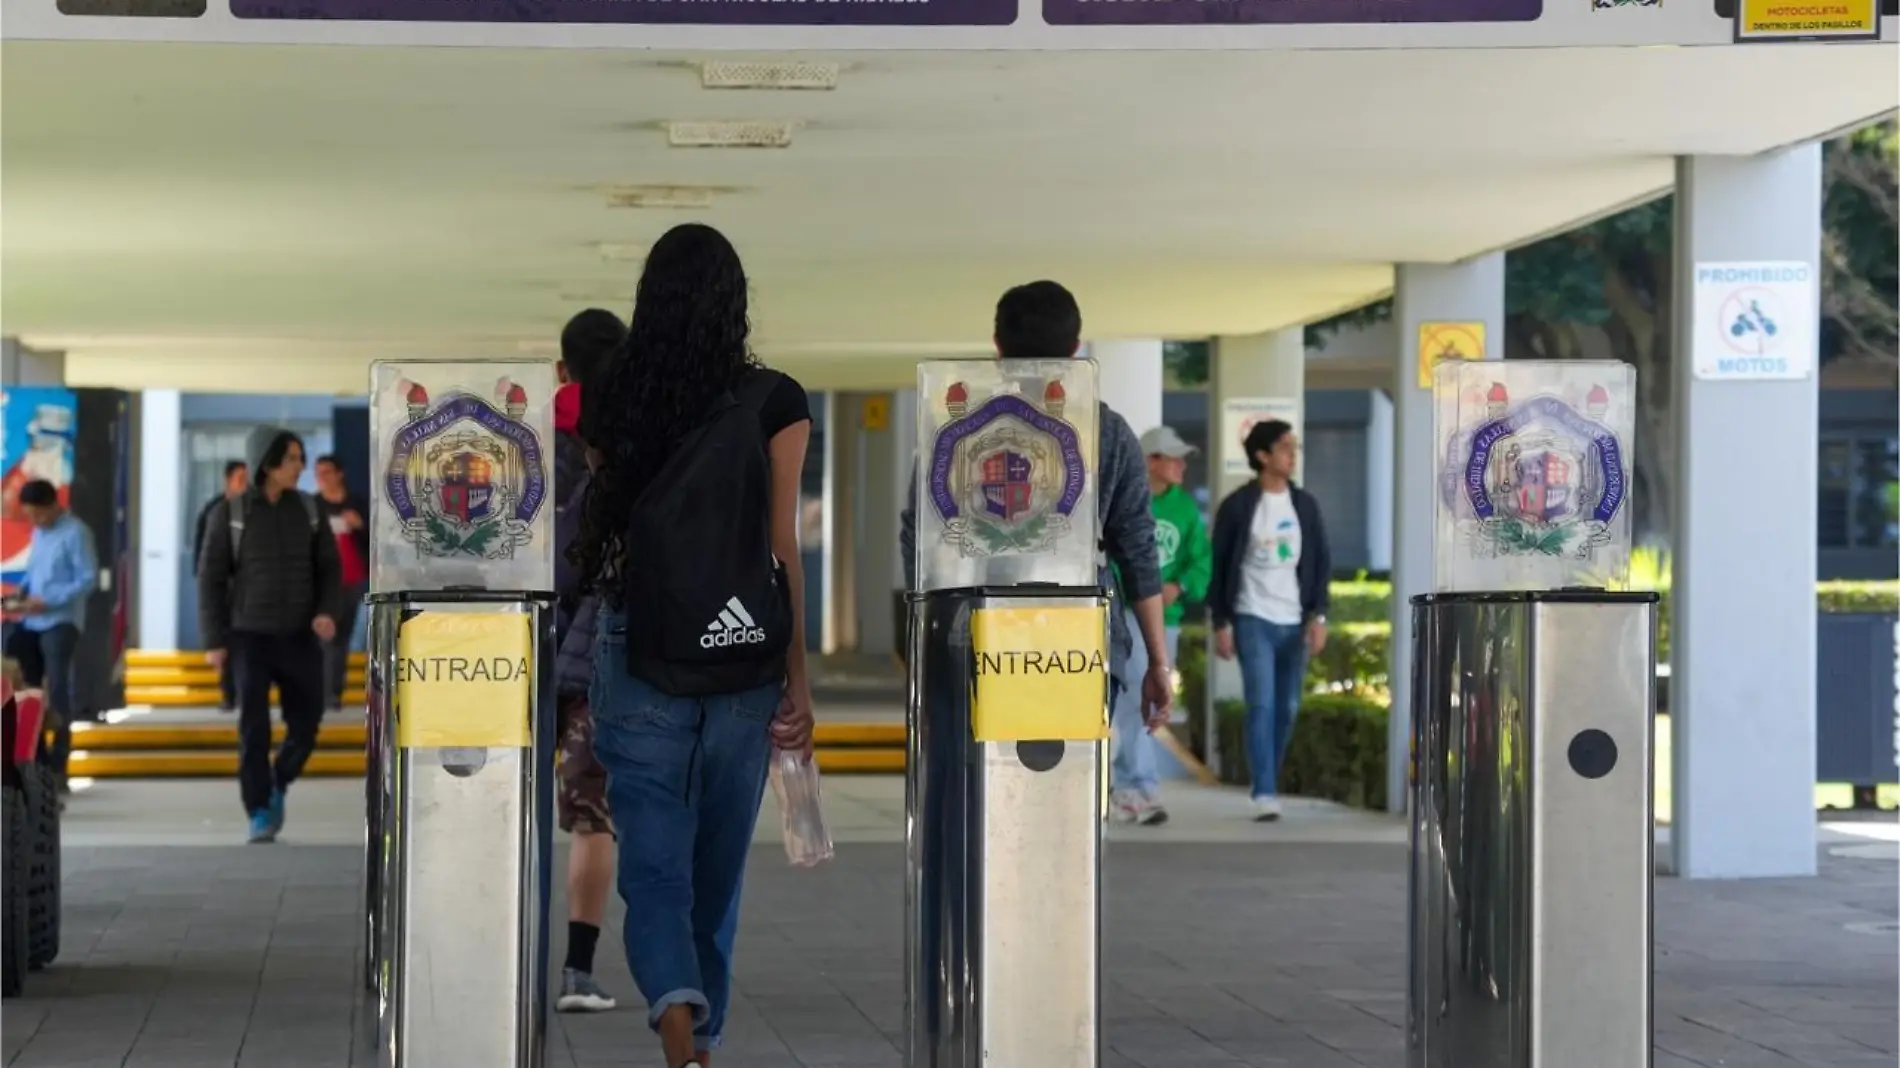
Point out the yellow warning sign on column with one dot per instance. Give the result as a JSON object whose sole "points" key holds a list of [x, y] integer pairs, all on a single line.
{"points": [[1041, 674], [1447, 341], [462, 679]]}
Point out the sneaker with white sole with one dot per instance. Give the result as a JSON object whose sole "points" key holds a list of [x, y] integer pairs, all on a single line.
{"points": [[1151, 813], [1266, 809], [579, 993], [1124, 806]]}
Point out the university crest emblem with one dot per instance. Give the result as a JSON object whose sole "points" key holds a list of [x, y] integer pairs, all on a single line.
{"points": [[1536, 477], [1005, 476], [466, 477]]}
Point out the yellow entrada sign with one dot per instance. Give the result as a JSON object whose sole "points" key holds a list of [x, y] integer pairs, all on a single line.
{"points": [[1041, 674], [462, 679]]}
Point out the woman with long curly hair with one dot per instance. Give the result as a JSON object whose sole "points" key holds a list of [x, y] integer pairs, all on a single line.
{"points": [[689, 537]]}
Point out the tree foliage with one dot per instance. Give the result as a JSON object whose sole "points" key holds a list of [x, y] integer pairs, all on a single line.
{"points": [[1607, 289]]}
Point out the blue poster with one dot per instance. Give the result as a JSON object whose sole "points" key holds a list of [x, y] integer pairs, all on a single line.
{"points": [[36, 443]]}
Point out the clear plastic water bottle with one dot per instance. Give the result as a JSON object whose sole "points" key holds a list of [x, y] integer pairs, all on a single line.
{"points": [[795, 784]]}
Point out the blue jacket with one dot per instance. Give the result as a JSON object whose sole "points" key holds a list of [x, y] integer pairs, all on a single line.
{"points": [[575, 612]]}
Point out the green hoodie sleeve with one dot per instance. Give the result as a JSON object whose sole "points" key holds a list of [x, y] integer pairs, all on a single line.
{"points": [[1197, 561]]}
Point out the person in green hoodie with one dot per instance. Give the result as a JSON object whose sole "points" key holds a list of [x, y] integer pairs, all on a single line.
{"points": [[1187, 564]]}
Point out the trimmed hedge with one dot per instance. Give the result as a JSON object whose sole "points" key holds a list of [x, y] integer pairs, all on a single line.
{"points": [[1337, 753], [1360, 631]]}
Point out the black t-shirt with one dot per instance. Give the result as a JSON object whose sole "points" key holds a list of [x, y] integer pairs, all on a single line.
{"points": [[786, 405]]}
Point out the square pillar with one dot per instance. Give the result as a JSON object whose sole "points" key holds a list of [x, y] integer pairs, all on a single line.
{"points": [[1252, 376], [1131, 380], [162, 516], [1434, 305], [1742, 627]]}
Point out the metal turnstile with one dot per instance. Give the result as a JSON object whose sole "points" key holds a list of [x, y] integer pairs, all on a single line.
{"points": [[1003, 895], [1008, 716], [1532, 830], [459, 797], [461, 834]]}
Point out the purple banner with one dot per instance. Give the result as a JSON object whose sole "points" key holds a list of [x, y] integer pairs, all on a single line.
{"points": [[646, 12], [1282, 12]]}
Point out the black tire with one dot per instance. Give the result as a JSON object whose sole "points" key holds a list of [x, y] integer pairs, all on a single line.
{"points": [[13, 931], [42, 879]]}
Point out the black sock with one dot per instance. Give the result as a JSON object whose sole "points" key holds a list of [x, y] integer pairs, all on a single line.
{"points": [[580, 945]]}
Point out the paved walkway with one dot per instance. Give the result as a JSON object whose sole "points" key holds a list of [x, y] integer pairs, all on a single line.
{"points": [[1226, 943]]}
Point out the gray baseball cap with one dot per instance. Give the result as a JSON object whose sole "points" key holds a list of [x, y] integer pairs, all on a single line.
{"points": [[1163, 441]]}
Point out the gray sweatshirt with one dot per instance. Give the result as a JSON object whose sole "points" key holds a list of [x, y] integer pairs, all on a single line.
{"points": [[1126, 516]]}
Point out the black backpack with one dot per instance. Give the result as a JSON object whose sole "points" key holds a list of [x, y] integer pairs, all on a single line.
{"points": [[707, 605]]}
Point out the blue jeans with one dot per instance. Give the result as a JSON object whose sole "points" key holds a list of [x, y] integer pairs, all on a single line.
{"points": [[1134, 766], [685, 777], [1272, 676]]}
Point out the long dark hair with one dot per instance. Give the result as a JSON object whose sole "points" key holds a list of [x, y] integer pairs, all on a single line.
{"points": [[686, 344]]}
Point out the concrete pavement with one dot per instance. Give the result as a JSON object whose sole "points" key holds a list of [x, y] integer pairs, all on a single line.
{"points": [[1226, 943]]}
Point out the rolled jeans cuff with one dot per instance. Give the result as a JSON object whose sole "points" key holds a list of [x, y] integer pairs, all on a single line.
{"points": [[702, 1009]]}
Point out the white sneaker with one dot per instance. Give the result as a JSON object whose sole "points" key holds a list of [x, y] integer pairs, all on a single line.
{"points": [[1125, 806], [1266, 809]]}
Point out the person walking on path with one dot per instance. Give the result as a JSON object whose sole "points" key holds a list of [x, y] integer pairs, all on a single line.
{"points": [[345, 513], [48, 610], [269, 594], [689, 537], [237, 479], [1186, 563], [1268, 598], [589, 345]]}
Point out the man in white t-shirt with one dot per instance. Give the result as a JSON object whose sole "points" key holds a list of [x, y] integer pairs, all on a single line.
{"points": [[1268, 598]]}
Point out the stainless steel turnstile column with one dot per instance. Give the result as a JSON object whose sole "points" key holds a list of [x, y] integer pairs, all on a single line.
{"points": [[1003, 895], [1008, 715], [1532, 830], [460, 854]]}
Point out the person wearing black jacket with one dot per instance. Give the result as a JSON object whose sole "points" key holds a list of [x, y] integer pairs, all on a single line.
{"points": [[237, 479], [1268, 598], [269, 594]]}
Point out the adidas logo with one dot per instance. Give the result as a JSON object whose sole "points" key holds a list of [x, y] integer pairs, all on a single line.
{"points": [[735, 626]]}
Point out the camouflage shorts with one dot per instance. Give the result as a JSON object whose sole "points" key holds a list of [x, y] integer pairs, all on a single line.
{"points": [[582, 798]]}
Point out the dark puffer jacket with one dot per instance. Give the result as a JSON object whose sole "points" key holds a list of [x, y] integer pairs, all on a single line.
{"points": [[282, 573]]}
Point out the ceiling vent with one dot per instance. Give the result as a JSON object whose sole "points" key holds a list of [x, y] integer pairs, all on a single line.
{"points": [[751, 134], [727, 74], [659, 196]]}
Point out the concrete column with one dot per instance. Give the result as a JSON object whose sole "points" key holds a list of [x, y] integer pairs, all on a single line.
{"points": [[842, 492], [1471, 292], [161, 511], [1379, 459], [1742, 637], [1253, 368], [875, 518], [1131, 380], [1258, 367], [21, 366]]}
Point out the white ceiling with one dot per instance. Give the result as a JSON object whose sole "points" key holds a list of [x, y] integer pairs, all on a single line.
{"points": [[274, 216]]}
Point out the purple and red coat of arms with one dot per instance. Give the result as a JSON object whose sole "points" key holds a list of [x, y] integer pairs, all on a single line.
{"points": [[466, 476], [1006, 476]]}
